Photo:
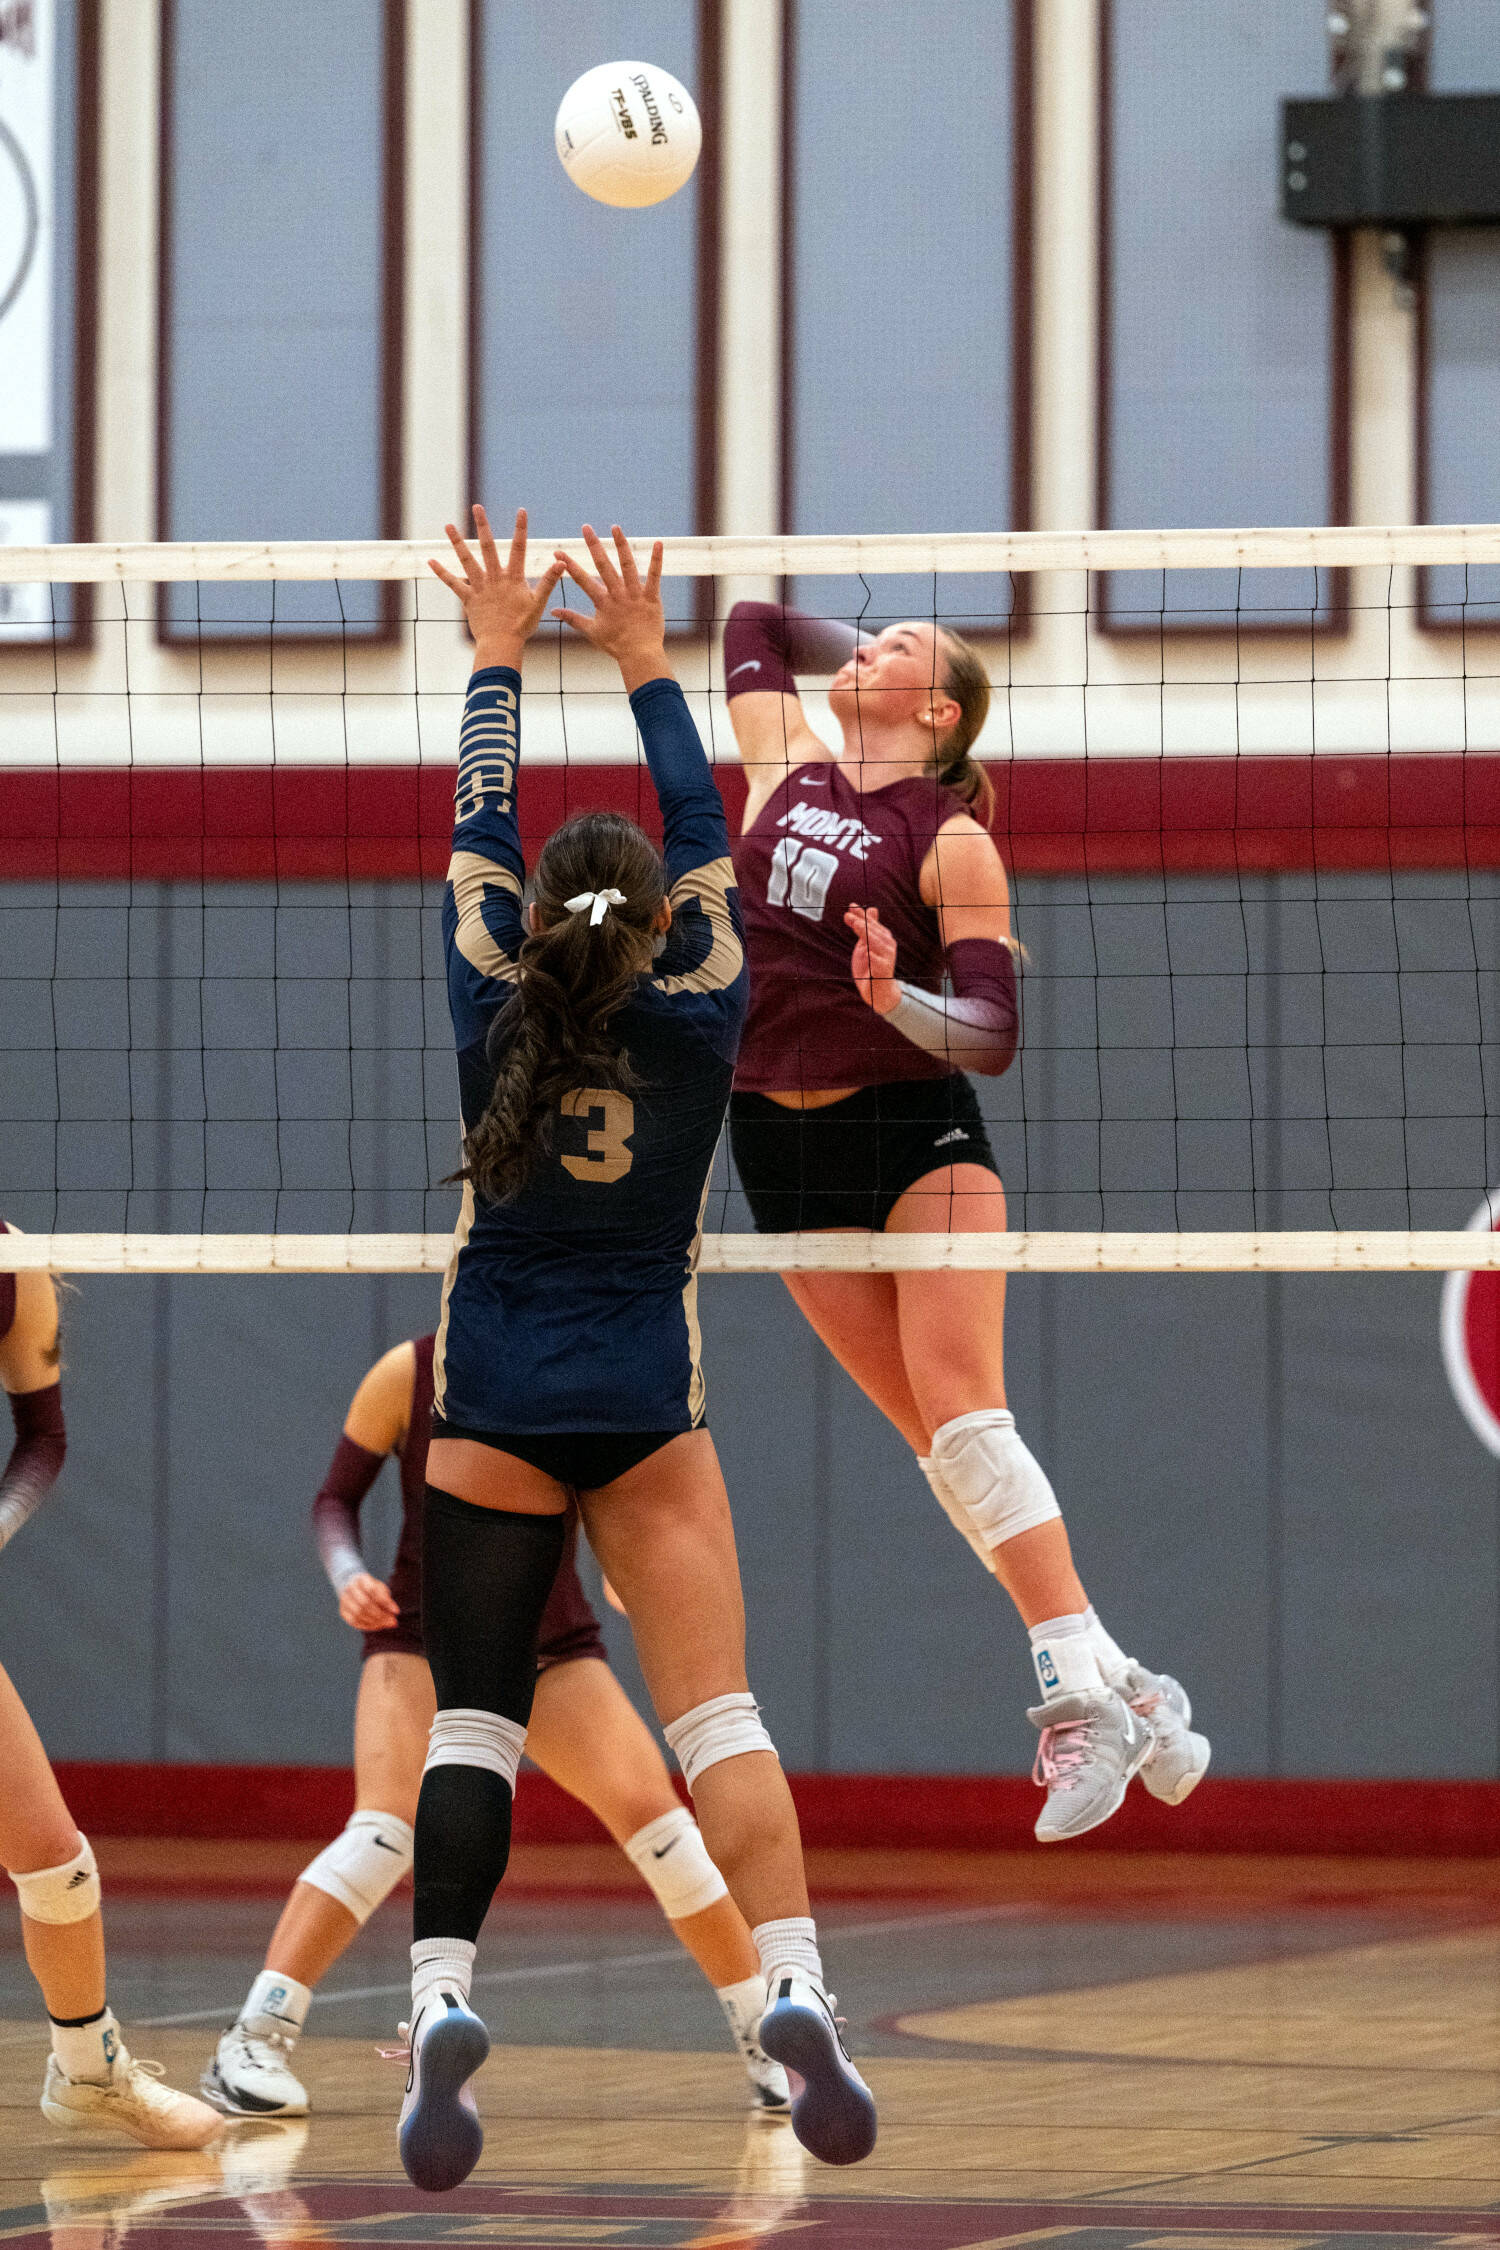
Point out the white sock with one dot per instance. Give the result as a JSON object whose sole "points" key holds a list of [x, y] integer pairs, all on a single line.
{"points": [[86, 2051], [1063, 1653], [743, 2004], [789, 1944], [440, 1960], [1108, 1654], [276, 2003]]}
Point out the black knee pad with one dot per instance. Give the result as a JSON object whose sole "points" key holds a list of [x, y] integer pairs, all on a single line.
{"points": [[462, 1846], [486, 1576]]}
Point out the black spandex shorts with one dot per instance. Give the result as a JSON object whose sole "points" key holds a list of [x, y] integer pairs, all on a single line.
{"points": [[849, 1163], [580, 1459]]}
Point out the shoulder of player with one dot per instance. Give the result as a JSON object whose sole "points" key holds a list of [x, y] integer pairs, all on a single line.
{"points": [[964, 854], [381, 1407], [763, 782]]}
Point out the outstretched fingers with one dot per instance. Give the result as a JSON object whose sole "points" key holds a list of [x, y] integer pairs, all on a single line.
{"points": [[575, 620], [592, 586], [628, 572], [465, 554], [459, 586], [516, 565], [653, 571], [600, 553]]}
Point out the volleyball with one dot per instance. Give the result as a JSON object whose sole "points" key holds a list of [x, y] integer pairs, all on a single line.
{"points": [[628, 134]]}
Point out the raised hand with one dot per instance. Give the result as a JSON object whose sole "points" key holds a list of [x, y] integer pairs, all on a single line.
{"points": [[627, 621], [503, 610], [873, 965]]}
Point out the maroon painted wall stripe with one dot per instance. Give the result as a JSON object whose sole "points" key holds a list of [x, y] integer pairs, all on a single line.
{"points": [[1054, 816], [1396, 1819]]}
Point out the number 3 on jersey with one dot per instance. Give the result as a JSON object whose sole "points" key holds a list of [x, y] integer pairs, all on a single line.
{"points": [[610, 1154], [800, 874]]}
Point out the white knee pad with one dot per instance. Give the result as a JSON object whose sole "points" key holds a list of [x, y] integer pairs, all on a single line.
{"points": [[476, 1738], [363, 1864], [727, 1727], [987, 1481], [671, 1856], [69, 1893], [937, 1484]]}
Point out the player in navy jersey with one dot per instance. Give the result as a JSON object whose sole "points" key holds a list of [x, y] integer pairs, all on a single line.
{"points": [[92, 2080], [868, 884], [584, 1732], [596, 1036]]}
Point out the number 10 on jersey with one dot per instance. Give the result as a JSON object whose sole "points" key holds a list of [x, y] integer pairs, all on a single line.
{"points": [[800, 876]]}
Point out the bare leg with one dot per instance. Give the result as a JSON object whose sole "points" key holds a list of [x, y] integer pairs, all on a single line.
{"points": [[855, 1315], [664, 1537], [391, 1719], [588, 1736], [952, 1328], [37, 1831]]}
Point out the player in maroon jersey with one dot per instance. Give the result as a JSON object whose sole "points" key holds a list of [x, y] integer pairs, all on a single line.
{"points": [[867, 883], [92, 2079], [584, 1732]]}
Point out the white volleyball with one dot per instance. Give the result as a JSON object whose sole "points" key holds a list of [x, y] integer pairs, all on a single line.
{"points": [[628, 134]]}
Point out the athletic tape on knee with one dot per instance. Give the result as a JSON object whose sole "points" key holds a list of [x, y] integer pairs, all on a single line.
{"points": [[363, 1865], [476, 1738], [69, 1893], [997, 1486], [938, 1486], [672, 1857], [726, 1727]]}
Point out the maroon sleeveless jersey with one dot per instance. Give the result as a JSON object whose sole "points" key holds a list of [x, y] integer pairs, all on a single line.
{"points": [[820, 846], [7, 1296], [569, 1626]]}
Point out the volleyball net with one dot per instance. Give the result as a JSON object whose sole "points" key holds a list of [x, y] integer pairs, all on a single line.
{"points": [[1247, 788]]}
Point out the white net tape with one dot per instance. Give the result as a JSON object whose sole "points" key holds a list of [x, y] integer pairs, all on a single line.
{"points": [[802, 554], [1445, 1250]]}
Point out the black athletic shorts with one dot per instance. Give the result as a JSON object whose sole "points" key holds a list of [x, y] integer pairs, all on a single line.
{"points": [[849, 1163], [580, 1459]]}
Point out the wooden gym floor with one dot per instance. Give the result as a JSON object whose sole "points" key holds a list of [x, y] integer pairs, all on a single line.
{"points": [[1101, 2053]]}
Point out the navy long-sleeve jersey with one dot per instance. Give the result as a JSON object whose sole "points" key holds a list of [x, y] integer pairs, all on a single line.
{"points": [[572, 1306]]}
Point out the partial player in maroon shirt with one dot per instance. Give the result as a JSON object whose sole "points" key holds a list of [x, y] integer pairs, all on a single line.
{"points": [[584, 1732], [882, 968]]}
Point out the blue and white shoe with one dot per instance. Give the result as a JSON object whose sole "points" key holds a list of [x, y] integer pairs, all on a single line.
{"points": [[833, 2110], [440, 2137]]}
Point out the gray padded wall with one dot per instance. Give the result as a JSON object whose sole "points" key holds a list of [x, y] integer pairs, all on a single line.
{"points": [[1218, 375], [1462, 282], [275, 292], [586, 318], [1269, 1486]]}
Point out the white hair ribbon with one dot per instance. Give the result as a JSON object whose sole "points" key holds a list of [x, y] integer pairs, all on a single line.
{"points": [[599, 901]]}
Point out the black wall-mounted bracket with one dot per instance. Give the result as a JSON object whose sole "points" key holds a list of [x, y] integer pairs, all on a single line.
{"points": [[1401, 162]]}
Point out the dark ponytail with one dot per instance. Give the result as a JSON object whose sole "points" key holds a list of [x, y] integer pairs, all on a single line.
{"points": [[574, 976]]}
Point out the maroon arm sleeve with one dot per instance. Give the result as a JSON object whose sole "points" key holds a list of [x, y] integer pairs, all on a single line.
{"points": [[766, 645], [335, 1512], [979, 1027], [36, 1457]]}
